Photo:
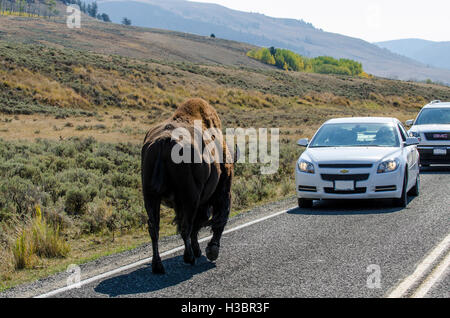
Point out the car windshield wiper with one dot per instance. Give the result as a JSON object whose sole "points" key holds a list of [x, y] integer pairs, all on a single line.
{"points": [[370, 146], [351, 146]]}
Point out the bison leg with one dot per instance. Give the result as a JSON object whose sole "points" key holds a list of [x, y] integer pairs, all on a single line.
{"points": [[212, 250], [186, 231], [221, 211], [186, 212], [200, 221], [152, 205], [218, 225]]}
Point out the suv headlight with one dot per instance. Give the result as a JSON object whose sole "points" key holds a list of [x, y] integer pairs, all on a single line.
{"points": [[388, 166], [306, 167]]}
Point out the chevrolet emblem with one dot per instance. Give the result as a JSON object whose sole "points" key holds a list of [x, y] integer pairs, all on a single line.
{"points": [[345, 171]]}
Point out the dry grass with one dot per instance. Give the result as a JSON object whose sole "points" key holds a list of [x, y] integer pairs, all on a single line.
{"points": [[42, 88], [118, 125], [83, 250], [107, 129], [37, 240]]}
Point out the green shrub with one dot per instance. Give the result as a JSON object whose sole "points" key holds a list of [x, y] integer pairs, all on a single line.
{"points": [[99, 163], [119, 179], [20, 195], [76, 201], [97, 217]]}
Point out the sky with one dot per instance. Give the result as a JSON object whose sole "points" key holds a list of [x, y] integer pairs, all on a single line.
{"points": [[370, 20]]}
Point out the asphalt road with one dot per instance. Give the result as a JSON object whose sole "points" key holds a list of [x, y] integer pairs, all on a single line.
{"points": [[331, 250], [328, 251]]}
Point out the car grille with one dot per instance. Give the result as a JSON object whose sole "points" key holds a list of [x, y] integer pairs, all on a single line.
{"points": [[356, 191], [307, 188], [385, 188], [427, 156], [346, 165], [345, 177], [437, 136]]}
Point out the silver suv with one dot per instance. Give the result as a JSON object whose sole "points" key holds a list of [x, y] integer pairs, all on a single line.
{"points": [[432, 127]]}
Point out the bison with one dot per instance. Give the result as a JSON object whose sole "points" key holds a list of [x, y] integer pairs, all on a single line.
{"points": [[198, 190]]}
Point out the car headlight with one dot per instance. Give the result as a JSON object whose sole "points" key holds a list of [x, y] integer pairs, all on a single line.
{"points": [[306, 167], [388, 166]]}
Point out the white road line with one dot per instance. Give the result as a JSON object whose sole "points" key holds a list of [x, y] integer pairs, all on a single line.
{"points": [[149, 259], [421, 270], [434, 277]]}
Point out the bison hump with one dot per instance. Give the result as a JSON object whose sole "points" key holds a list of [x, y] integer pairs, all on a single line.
{"points": [[198, 109]]}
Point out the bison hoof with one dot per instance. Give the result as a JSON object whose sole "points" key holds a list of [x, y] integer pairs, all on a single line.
{"points": [[212, 252], [158, 268], [189, 257]]}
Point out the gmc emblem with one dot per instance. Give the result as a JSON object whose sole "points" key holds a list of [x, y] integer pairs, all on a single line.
{"points": [[440, 136]]}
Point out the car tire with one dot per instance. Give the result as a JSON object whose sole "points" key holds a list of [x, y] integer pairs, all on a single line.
{"points": [[415, 191], [305, 203], [402, 202]]}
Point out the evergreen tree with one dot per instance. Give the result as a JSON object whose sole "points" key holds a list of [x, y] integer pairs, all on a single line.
{"points": [[94, 10], [105, 17], [273, 50], [126, 21]]}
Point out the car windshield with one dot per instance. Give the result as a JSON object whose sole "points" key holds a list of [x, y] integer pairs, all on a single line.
{"points": [[356, 135], [434, 116]]}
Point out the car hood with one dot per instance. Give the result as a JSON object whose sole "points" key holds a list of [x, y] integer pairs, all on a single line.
{"points": [[431, 128], [349, 154]]}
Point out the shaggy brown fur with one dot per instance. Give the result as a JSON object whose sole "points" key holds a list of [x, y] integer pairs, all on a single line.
{"points": [[197, 191]]}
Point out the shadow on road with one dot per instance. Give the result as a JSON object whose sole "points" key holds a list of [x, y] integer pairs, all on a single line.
{"points": [[435, 170], [143, 281], [350, 207]]}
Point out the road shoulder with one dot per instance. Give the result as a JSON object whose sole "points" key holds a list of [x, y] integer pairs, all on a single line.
{"points": [[141, 253]]}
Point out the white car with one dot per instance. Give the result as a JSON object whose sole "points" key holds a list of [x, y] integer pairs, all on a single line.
{"points": [[432, 128], [358, 158]]}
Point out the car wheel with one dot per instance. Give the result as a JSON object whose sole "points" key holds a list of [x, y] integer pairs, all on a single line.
{"points": [[305, 203], [415, 190], [403, 201]]}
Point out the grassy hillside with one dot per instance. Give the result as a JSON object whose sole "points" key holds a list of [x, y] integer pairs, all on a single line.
{"points": [[61, 81], [109, 38], [262, 30], [72, 122]]}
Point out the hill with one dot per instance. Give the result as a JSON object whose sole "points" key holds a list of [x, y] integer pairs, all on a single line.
{"points": [[428, 52], [109, 38], [41, 79], [261, 30]]}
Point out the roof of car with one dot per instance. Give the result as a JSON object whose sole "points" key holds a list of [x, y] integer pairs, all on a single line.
{"points": [[437, 105], [350, 120]]}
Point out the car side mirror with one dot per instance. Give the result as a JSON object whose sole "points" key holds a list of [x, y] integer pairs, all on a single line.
{"points": [[411, 141], [409, 122], [303, 142]]}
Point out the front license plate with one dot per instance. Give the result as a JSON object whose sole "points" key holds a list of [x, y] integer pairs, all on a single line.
{"points": [[344, 185], [439, 151]]}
